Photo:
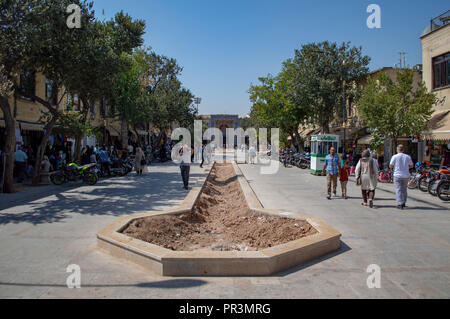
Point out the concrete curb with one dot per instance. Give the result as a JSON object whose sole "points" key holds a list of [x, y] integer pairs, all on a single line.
{"points": [[264, 262]]}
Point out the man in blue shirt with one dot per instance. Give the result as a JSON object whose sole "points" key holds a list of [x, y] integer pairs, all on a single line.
{"points": [[332, 165], [20, 163], [104, 161]]}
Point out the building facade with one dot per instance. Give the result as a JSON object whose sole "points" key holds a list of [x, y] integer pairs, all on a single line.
{"points": [[436, 74]]}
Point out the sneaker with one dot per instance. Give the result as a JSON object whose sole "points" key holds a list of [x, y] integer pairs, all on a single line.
{"points": [[335, 195], [371, 204], [329, 197]]}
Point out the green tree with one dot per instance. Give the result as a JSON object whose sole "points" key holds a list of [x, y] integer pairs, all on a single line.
{"points": [[395, 108], [132, 103], [34, 37], [318, 73], [273, 108]]}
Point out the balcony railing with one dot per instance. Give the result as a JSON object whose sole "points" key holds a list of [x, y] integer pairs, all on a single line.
{"points": [[440, 21]]}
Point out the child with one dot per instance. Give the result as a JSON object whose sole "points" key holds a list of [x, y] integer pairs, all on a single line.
{"points": [[344, 179]]}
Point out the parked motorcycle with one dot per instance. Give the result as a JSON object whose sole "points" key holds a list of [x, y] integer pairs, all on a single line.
{"points": [[443, 190], [385, 176], [73, 172], [417, 176], [442, 174]]}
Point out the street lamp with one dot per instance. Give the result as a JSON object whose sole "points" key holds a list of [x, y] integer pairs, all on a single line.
{"points": [[197, 101]]}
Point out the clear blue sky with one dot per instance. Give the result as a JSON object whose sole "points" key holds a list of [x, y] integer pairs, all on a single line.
{"points": [[224, 46]]}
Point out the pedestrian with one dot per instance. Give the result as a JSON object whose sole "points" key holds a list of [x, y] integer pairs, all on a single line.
{"points": [[331, 168], [367, 177], [46, 166], [104, 161], [93, 156], [203, 155], [445, 163], [343, 179], [401, 164], [252, 154], [185, 165], [20, 163], [139, 161]]}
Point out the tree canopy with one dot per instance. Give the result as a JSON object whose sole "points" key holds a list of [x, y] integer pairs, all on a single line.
{"points": [[395, 108]]}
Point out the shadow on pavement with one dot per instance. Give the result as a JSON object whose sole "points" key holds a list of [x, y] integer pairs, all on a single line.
{"points": [[110, 197], [168, 284], [344, 248]]}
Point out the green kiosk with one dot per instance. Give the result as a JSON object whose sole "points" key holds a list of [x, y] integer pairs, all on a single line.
{"points": [[320, 148]]}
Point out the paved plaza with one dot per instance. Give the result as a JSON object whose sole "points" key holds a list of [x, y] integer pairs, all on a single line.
{"points": [[43, 230]]}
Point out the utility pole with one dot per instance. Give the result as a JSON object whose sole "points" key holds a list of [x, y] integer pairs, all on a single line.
{"points": [[402, 60]]}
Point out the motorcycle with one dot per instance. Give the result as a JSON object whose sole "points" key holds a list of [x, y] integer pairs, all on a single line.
{"points": [[443, 190], [417, 177], [442, 174], [425, 182], [118, 168], [385, 176], [73, 172], [304, 161]]}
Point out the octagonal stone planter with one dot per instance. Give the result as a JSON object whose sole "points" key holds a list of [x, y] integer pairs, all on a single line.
{"points": [[267, 261]]}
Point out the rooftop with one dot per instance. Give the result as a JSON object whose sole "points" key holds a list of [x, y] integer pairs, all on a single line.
{"points": [[437, 23]]}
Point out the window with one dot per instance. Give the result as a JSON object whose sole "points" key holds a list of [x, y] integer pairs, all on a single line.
{"points": [[51, 92], [441, 71], [28, 84], [72, 102], [69, 102]]}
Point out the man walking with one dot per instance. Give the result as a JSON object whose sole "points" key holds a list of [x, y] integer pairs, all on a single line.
{"points": [[401, 164], [185, 165], [332, 168], [203, 155]]}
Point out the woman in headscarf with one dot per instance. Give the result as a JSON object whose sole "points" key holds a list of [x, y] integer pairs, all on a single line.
{"points": [[139, 161], [367, 176]]}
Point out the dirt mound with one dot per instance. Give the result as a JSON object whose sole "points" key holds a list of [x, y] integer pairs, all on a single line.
{"points": [[220, 220]]}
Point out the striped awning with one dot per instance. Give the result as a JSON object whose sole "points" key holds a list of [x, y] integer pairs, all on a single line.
{"points": [[366, 140], [113, 131], [32, 127]]}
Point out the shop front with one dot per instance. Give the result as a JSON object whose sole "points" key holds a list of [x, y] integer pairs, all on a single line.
{"points": [[437, 139]]}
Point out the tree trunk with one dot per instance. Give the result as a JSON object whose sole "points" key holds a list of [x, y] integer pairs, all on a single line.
{"points": [[41, 150], [124, 134], [10, 127]]}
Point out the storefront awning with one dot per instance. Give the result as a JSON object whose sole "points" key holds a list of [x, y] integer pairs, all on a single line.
{"points": [[306, 132], [439, 127], [113, 131], [32, 127], [142, 133], [366, 140]]}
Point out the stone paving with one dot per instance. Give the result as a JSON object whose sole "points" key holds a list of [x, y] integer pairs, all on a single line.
{"points": [[43, 230]]}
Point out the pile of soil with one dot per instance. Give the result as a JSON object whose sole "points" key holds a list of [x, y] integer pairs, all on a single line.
{"points": [[220, 220]]}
